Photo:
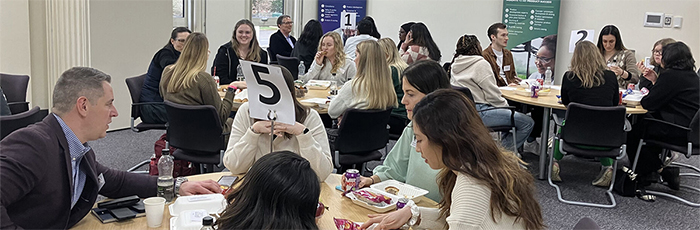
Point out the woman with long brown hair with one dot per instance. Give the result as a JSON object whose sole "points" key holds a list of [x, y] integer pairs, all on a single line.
{"points": [[243, 45], [619, 59], [656, 53], [483, 187]]}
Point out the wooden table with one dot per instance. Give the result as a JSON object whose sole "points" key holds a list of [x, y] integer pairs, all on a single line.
{"points": [[548, 103], [313, 93], [338, 207]]}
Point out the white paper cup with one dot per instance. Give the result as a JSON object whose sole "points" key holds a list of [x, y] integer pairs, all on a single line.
{"points": [[155, 207]]}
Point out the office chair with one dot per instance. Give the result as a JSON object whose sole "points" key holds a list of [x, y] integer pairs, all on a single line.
{"points": [[692, 147], [197, 133], [602, 127], [15, 89], [291, 63], [10, 123], [360, 136]]}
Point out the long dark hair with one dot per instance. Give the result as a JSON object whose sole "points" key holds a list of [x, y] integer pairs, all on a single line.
{"points": [[677, 56], [450, 120], [311, 34], [174, 33], [466, 45], [610, 30], [375, 32], [280, 191], [421, 37], [426, 76]]}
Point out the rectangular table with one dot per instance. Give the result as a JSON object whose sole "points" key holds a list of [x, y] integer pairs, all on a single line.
{"points": [[338, 207], [548, 103]]}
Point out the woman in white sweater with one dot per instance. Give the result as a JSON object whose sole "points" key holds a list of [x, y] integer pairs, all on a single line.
{"points": [[250, 138], [371, 88], [482, 187], [330, 62], [469, 69]]}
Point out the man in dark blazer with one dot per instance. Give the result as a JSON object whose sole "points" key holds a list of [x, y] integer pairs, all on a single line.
{"points": [[281, 42], [50, 178]]}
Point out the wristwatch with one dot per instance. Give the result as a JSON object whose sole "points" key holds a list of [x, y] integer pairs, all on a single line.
{"points": [[178, 182], [232, 88]]}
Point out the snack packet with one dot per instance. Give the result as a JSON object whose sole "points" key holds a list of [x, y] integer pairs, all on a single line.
{"points": [[343, 224], [372, 198]]}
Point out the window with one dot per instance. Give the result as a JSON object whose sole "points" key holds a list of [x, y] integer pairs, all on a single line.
{"points": [[264, 15], [178, 8]]}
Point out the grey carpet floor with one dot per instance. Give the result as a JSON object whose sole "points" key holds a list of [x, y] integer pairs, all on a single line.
{"points": [[123, 149]]}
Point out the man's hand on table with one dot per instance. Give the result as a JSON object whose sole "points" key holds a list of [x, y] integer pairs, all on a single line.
{"points": [[199, 187]]}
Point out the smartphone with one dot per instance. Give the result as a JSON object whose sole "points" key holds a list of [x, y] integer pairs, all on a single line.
{"points": [[647, 62], [225, 182]]}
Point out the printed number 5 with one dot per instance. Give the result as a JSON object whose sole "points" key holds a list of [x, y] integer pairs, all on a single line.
{"points": [[275, 91]]}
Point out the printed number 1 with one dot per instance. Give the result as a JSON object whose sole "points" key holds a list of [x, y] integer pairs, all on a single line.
{"points": [[275, 91], [347, 16]]}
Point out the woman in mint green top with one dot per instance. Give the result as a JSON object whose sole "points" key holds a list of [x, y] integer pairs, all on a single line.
{"points": [[403, 163]]}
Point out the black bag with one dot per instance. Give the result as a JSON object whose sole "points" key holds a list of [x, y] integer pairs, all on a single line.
{"points": [[625, 182]]}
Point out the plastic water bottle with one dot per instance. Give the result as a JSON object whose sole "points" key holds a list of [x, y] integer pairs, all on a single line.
{"points": [[165, 176], [302, 68], [207, 223], [239, 73], [548, 80]]}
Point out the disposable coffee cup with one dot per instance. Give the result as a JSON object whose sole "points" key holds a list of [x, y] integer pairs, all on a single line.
{"points": [[155, 206]]}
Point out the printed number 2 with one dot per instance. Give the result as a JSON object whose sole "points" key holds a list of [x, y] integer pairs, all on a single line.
{"points": [[275, 91], [347, 16], [584, 35]]}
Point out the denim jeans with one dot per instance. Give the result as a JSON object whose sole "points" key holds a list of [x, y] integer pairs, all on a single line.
{"points": [[501, 117]]}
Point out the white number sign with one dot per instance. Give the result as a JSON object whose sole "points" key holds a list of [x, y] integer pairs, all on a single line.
{"points": [[268, 92], [580, 35]]}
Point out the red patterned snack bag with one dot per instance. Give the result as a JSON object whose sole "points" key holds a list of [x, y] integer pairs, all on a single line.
{"points": [[372, 198], [343, 224]]}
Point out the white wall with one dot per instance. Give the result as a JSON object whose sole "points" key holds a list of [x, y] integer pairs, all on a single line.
{"points": [[222, 16], [14, 42], [123, 48]]}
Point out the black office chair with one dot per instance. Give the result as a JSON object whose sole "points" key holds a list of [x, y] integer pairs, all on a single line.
{"points": [[10, 123], [691, 148], [196, 132], [591, 126], [15, 89], [135, 85], [360, 136], [291, 63], [499, 129]]}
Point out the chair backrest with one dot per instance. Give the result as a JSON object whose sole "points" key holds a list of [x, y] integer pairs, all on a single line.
{"points": [[694, 135], [291, 63], [363, 131], [14, 87], [464, 91], [135, 84], [10, 123], [195, 128], [601, 126]]}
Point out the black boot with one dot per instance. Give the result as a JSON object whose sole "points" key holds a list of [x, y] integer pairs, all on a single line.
{"points": [[672, 176]]}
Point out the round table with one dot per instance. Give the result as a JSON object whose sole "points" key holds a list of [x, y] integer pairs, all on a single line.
{"points": [[313, 93], [548, 103], [338, 207]]}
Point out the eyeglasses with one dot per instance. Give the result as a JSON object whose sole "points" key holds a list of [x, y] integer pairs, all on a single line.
{"points": [[656, 52], [180, 40], [543, 59], [287, 23]]}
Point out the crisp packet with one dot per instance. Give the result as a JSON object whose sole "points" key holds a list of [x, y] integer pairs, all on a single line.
{"points": [[372, 198], [343, 224]]}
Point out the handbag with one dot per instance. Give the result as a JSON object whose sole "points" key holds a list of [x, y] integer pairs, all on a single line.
{"points": [[180, 167], [625, 182]]}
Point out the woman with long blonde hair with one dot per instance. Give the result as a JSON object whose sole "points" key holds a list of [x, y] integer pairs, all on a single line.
{"points": [[589, 82], [187, 83], [482, 187], [371, 88], [330, 62], [398, 119], [243, 45]]}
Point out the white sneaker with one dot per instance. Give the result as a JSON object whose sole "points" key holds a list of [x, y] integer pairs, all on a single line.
{"points": [[670, 159], [604, 177], [532, 147]]}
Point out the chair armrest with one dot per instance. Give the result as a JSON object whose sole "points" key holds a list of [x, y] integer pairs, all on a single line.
{"points": [[675, 127], [628, 125], [336, 161], [557, 121], [147, 103]]}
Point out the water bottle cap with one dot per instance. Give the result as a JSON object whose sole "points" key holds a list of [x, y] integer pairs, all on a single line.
{"points": [[207, 221]]}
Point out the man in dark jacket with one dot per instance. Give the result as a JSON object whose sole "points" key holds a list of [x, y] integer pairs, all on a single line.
{"points": [[50, 178], [281, 42]]}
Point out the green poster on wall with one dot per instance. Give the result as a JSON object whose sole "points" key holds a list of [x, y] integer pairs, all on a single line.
{"points": [[532, 31]]}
